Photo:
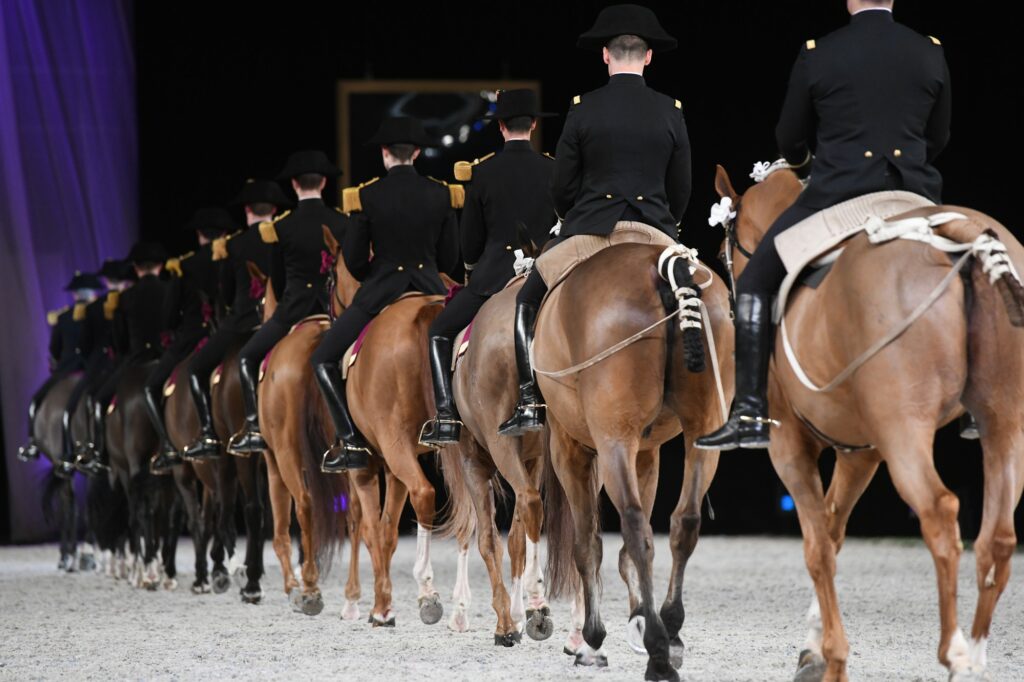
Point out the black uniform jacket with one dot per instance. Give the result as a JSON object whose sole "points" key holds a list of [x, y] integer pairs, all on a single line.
{"points": [[409, 223], [507, 189], [138, 320], [96, 331], [188, 296], [877, 97], [236, 282], [296, 261], [64, 341], [624, 154]]}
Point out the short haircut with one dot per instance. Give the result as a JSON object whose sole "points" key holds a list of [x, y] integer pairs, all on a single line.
{"points": [[402, 152], [262, 208], [309, 181], [519, 124], [627, 48]]}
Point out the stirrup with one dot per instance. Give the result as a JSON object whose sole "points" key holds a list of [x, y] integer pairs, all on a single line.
{"points": [[433, 423], [347, 451]]}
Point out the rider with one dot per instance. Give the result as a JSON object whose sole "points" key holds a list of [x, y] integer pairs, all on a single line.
{"points": [[297, 242], [509, 189], [261, 200], [877, 94], [65, 353], [137, 327], [622, 164], [409, 223], [188, 310]]}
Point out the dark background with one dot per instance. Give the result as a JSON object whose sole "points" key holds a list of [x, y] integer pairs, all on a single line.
{"points": [[223, 97]]}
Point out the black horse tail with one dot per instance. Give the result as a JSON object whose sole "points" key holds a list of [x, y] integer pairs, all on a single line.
{"points": [[693, 338], [329, 493], [52, 485], [108, 511], [562, 576]]}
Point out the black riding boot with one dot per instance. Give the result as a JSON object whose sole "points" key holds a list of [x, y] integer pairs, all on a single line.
{"points": [[30, 450], [445, 427], [248, 440], [91, 458], [530, 410], [748, 424], [207, 446], [168, 456], [350, 449]]}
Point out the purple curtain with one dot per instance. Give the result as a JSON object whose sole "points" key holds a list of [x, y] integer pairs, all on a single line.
{"points": [[68, 189]]}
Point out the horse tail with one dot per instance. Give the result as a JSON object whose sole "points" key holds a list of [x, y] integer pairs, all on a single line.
{"points": [[675, 283], [562, 576], [52, 485], [108, 511], [459, 513], [329, 494]]}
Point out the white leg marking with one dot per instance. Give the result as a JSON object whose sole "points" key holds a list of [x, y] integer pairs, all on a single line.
{"points": [[518, 610], [578, 613], [979, 653], [422, 570], [533, 578], [813, 641], [588, 656], [959, 653], [459, 621]]}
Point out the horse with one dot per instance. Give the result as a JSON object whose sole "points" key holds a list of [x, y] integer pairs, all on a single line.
{"points": [[611, 405], [961, 352], [152, 503], [292, 425], [48, 433], [485, 392]]}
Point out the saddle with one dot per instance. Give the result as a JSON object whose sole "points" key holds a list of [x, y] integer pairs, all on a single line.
{"points": [[321, 319], [816, 241], [350, 356]]}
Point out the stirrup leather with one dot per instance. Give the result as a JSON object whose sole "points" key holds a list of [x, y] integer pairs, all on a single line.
{"points": [[758, 420]]}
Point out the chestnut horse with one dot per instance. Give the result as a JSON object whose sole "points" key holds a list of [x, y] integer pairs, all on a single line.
{"points": [[962, 352], [609, 419], [486, 392]]}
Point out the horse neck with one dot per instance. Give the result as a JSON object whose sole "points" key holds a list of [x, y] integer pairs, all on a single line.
{"points": [[346, 285], [269, 300], [772, 197]]}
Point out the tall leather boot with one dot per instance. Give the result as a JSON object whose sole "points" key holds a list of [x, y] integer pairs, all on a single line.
{"points": [[530, 410], [207, 446], [446, 427], [92, 459], [248, 440], [748, 424], [30, 450], [167, 456], [350, 449]]}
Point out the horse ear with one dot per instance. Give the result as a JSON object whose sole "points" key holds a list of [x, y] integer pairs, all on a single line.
{"points": [[330, 241], [254, 271], [723, 185]]}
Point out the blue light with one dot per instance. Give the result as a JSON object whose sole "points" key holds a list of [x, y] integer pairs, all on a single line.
{"points": [[787, 504]]}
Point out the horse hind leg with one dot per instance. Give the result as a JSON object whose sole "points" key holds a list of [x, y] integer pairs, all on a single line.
{"points": [[281, 505], [647, 480], [354, 521]]}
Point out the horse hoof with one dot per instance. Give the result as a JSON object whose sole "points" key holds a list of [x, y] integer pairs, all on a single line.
{"points": [[970, 675], [810, 667], [587, 656], [170, 584], [635, 634], [382, 621], [544, 611], [221, 582], [350, 611], [87, 563], [200, 587], [252, 595], [539, 626], [675, 652], [506, 640], [151, 585], [459, 622], [431, 609], [311, 604], [660, 672]]}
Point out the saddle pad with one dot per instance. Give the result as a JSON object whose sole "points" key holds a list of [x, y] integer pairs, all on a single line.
{"points": [[461, 344], [806, 241], [217, 374], [169, 384], [556, 263]]}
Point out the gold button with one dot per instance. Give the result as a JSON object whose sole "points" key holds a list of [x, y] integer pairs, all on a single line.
{"points": [[639, 198], [508, 247], [868, 154], [609, 196], [420, 266], [309, 285], [897, 152], [400, 268], [149, 345]]}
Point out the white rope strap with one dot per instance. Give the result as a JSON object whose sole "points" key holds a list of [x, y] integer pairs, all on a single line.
{"points": [[687, 298], [523, 264]]}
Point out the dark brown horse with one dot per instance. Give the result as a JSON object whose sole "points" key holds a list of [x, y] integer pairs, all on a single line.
{"points": [[962, 352], [486, 392], [608, 421]]}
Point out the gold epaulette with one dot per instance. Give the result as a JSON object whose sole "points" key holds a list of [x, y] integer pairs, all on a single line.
{"points": [[110, 305], [219, 246], [173, 266], [935, 40], [268, 231], [456, 193], [78, 313], [577, 99], [51, 317], [463, 170], [550, 156], [350, 201], [811, 44]]}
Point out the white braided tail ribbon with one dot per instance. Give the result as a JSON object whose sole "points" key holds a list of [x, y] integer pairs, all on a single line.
{"points": [[523, 263], [762, 169]]}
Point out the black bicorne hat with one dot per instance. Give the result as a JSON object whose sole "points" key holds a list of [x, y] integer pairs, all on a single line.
{"points": [[520, 102], [117, 269], [308, 161], [402, 130], [147, 253], [261, 192], [211, 222], [620, 20], [84, 280]]}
